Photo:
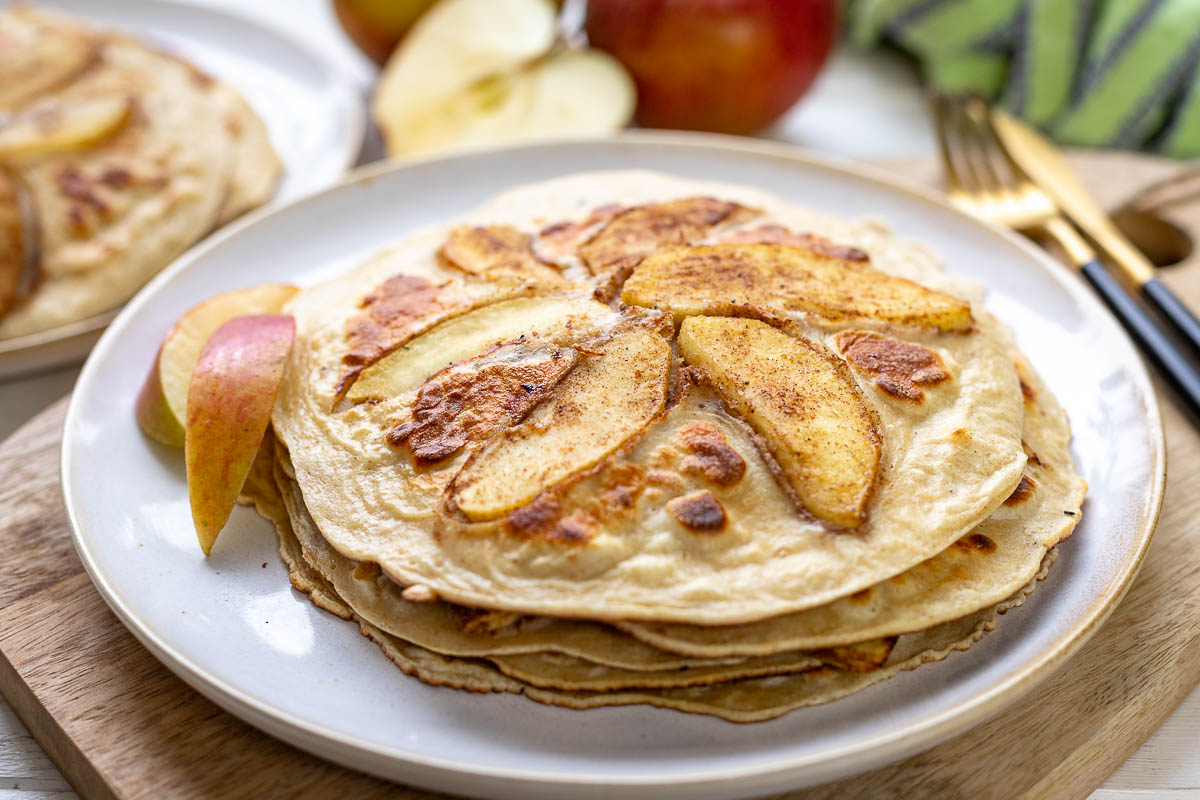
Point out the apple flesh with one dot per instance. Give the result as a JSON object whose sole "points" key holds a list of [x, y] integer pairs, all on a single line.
{"points": [[57, 127], [232, 393], [161, 407], [478, 72], [730, 66]]}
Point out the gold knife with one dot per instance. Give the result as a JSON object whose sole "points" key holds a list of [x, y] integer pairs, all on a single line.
{"points": [[1046, 166]]}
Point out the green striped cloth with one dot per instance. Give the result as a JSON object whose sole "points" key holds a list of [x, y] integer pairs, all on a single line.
{"points": [[1116, 73]]}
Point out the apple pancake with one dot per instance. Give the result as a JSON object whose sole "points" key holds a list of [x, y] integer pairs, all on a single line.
{"points": [[563, 653], [998, 556], [127, 156], [745, 700], [660, 476]]}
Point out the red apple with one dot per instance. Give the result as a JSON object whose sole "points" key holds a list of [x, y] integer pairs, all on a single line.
{"points": [[732, 66]]}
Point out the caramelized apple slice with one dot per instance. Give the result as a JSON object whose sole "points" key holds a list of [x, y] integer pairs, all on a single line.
{"points": [[637, 232], [605, 401], [802, 401], [717, 279], [468, 401], [496, 251], [55, 127], [464, 336]]}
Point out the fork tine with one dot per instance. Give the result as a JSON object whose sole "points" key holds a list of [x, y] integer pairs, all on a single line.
{"points": [[1013, 178], [939, 104]]}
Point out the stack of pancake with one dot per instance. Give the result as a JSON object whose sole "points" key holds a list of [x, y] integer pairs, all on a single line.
{"points": [[114, 159], [622, 438]]}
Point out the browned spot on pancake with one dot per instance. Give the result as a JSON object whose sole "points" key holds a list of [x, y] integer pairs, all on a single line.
{"points": [[496, 251], [1031, 456], [534, 518], [1026, 390], [664, 477], [861, 657], [899, 368], [637, 232], [777, 234], [467, 402], [976, 543], [960, 435], [861, 597], [1023, 491], [482, 622], [710, 454], [391, 313], [82, 198], [576, 528], [699, 512], [544, 518], [366, 571], [622, 484], [562, 239], [116, 177]]}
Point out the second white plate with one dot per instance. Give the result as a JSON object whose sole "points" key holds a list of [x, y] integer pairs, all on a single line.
{"points": [[314, 111]]}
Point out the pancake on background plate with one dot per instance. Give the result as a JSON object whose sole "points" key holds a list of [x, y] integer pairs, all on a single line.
{"points": [[624, 438], [114, 159]]}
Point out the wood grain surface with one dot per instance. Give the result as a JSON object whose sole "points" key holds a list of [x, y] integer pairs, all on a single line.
{"points": [[119, 724]]}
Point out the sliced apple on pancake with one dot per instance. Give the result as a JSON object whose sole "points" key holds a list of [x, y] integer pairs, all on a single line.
{"points": [[637, 232], [470, 400], [59, 126], [724, 278], [606, 400], [802, 401], [497, 251], [464, 336]]}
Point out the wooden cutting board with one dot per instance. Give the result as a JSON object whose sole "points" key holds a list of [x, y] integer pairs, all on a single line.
{"points": [[119, 724]]}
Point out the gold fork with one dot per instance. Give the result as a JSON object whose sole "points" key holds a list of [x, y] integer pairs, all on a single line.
{"points": [[984, 180]]}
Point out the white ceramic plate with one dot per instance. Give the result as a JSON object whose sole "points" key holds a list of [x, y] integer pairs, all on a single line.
{"points": [[314, 112], [233, 628]]}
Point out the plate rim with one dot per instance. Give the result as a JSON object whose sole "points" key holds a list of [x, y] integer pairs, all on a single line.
{"points": [[852, 758], [28, 345]]}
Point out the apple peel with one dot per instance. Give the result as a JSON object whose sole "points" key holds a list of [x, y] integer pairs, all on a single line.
{"points": [[230, 399]]}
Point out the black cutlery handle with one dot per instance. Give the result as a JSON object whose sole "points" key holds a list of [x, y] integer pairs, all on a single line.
{"points": [[1175, 367], [1159, 295]]}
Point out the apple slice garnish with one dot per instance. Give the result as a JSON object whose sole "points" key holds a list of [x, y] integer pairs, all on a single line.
{"points": [[231, 395], [802, 401], [601, 404], [459, 338], [55, 127], [482, 71], [725, 278], [161, 408]]}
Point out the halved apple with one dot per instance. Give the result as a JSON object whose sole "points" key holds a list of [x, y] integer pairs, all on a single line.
{"points": [[723, 278], [478, 72], [161, 408], [804, 403], [605, 401], [461, 337], [62, 125], [231, 395]]}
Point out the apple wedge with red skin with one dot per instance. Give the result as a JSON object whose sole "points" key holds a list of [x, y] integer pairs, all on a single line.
{"points": [[161, 407], [229, 405]]}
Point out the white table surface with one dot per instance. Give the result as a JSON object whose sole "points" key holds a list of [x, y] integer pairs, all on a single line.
{"points": [[863, 107]]}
